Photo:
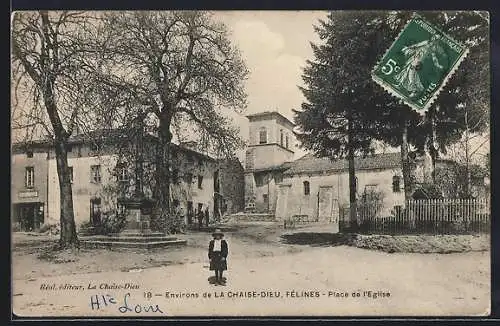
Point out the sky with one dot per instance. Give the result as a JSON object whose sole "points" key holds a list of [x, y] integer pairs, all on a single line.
{"points": [[275, 46]]}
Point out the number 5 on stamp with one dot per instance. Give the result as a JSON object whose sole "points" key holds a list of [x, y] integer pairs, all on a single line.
{"points": [[419, 63]]}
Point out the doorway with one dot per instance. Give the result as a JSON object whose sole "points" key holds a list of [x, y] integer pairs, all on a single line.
{"points": [[327, 207], [30, 216], [265, 201], [95, 211]]}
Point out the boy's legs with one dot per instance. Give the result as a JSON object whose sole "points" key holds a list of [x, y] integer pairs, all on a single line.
{"points": [[216, 275]]}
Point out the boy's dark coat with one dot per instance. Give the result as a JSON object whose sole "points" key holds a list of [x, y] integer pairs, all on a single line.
{"points": [[215, 258]]}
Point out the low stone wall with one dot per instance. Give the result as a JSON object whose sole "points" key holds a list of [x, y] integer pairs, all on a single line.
{"points": [[252, 217]]}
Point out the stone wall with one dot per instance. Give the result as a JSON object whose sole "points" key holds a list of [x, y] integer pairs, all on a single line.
{"points": [[299, 203], [232, 186]]}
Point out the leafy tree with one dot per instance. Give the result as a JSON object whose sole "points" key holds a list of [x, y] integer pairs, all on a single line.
{"points": [[428, 191], [339, 88], [178, 67], [48, 60], [463, 105], [345, 110], [459, 180]]}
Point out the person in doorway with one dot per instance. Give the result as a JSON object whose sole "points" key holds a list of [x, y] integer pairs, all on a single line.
{"points": [[207, 216], [199, 215], [217, 253]]}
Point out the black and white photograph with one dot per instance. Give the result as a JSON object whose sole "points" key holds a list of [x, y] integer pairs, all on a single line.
{"points": [[231, 163]]}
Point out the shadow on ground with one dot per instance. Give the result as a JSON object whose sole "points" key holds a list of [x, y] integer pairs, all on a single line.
{"points": [[317, 239], [211, 279]]}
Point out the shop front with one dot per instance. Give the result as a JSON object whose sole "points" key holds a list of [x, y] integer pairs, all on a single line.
{"points": [[28, 216]]}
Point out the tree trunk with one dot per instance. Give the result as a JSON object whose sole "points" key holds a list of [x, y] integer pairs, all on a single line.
{"points": [[68, 236], [68, 228], [406, 167], [163, 173], [433, 140], [467, 160], [352, 178], [405, 164]]}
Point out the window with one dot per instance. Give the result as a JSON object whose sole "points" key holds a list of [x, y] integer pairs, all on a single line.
{"points": [[200, 182], [396, 184], [95, 173], [29, 153], [70, 171], [29, 180], [190, 158], [278, 178], [262, 136], [200, 162], [259, 180], [69, 148], [281, 137], [123, 175], [265, 198], [307, 189], [189, 178], [286, 141]]}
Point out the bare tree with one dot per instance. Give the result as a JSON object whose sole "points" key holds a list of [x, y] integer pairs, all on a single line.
{"points": [[52, 89], [179, 66]]}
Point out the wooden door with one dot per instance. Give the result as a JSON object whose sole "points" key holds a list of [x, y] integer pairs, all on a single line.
{"points": [[326, 208]]}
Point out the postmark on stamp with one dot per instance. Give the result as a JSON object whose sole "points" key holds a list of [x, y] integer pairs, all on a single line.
{"points": [[419, 63]]}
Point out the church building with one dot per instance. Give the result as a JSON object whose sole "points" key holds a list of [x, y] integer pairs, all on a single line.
{"points": [[270, 148]]}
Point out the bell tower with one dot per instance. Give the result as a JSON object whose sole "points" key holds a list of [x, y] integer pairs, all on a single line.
{"points": [[271, 144]]}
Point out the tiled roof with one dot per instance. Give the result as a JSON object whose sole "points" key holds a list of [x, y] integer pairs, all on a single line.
{"points": [[268, 113], [311, 164], [101, 135], [279, 167], [90, 136]]}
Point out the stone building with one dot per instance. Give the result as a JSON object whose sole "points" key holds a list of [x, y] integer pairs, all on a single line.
{"points": [[230, 187], [29, 186], [271, 143], [102, 170], [318, 188]]}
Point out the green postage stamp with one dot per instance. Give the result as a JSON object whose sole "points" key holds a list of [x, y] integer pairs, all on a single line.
{"points": [[418, 64]]}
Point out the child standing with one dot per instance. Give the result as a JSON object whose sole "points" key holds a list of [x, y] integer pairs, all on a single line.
{"points": [[217, 253]]}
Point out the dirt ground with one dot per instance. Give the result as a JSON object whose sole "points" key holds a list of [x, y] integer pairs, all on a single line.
{"points": [[265, 277], [32, 257], [307, 271]]}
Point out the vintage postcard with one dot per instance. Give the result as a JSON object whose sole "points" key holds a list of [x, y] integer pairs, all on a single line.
{"points": [[250, 163]]}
